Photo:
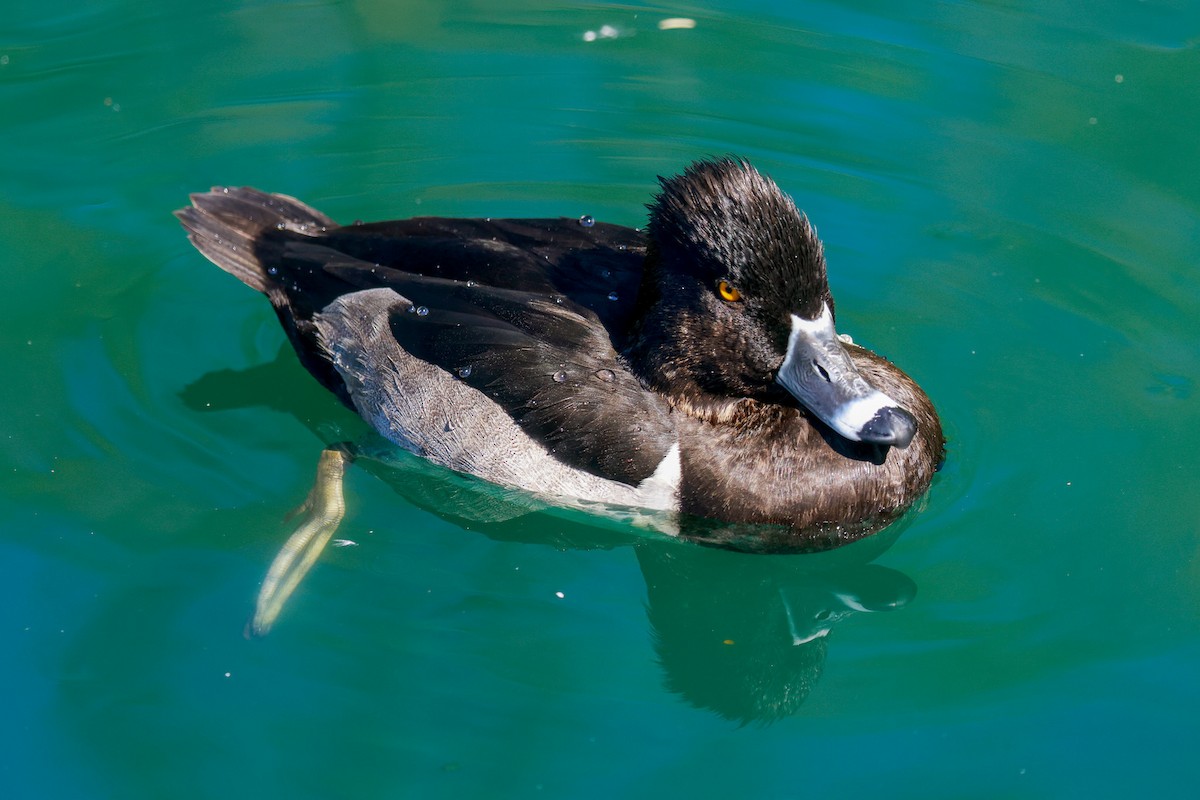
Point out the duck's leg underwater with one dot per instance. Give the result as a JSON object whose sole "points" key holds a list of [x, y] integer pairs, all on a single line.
{"points": [[322, 511]]}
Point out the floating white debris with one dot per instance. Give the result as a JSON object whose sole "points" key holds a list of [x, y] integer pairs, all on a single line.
{"points": [[344, 543], [676, 24], [605, 32], [559, 595]]}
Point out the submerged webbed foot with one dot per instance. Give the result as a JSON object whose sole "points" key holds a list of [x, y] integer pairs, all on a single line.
{"points": [[321, 513]]}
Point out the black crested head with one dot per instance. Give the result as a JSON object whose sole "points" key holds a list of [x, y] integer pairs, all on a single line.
{"points": [[722, 220], [730, 260]]}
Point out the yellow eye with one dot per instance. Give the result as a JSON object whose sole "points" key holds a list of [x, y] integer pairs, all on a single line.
{"points": [[728, 292]]}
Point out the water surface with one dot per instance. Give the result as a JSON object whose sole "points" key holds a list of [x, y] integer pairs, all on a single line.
{"points": [[1008, 197]]}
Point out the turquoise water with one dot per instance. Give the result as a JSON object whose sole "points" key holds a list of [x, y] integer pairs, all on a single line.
{"points": [[1009, 198]]}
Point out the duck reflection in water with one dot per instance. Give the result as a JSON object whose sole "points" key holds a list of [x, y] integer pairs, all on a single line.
{"points": [[744, 636]]}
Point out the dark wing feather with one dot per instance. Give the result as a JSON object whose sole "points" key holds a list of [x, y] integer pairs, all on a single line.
{"points": [[550, 366], [598, 267]]}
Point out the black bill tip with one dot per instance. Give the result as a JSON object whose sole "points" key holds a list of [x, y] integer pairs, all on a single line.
{"points": [[891, 425]]}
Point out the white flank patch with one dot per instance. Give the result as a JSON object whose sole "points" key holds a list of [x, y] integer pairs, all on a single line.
{"points": [[660, 490]]}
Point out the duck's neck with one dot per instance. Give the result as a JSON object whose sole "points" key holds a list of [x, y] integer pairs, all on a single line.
{"points": [[680, 376]]}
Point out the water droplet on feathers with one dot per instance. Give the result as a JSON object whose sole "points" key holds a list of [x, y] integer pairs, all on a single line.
{"points": [[587, 220], [464, 372], [606, 375], [560, 376], [613, 296]]}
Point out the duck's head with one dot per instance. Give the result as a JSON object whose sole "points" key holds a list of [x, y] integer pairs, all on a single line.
{"points": [[737, 304]]}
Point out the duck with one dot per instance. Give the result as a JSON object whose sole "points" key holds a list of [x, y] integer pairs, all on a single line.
{"points": [[692, 369]]}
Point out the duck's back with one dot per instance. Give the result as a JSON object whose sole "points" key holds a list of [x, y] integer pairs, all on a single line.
{"points": [[597, 265], [300, 258]]}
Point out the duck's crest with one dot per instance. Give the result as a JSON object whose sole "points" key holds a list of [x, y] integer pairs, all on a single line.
{"points": [[740, 225]]}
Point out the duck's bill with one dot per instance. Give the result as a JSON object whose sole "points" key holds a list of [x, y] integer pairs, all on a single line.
{"points": [[821, 375]]}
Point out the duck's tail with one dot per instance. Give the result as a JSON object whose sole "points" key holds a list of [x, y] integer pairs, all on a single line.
{"points": [[225, 225]]}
